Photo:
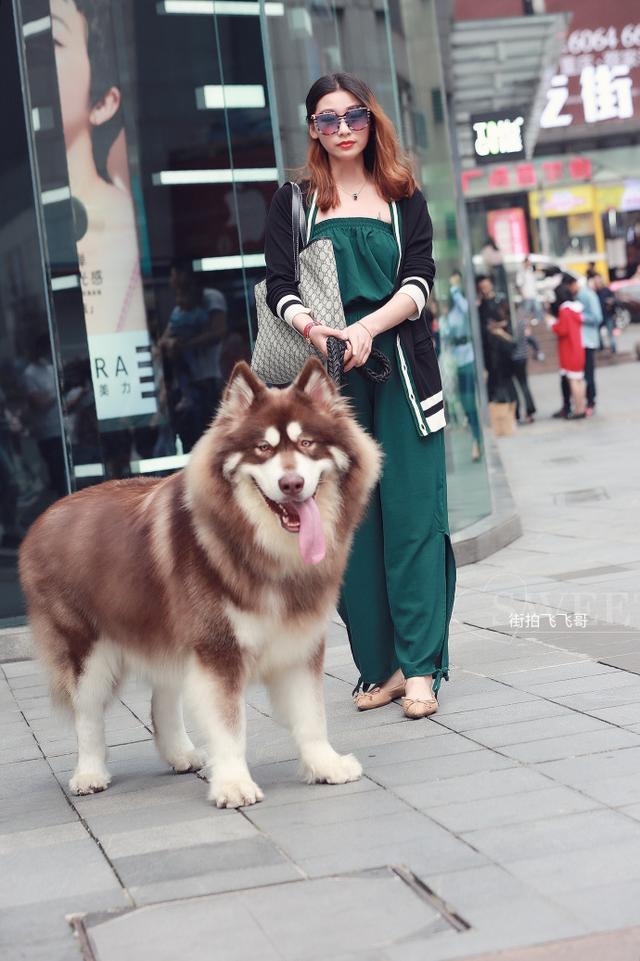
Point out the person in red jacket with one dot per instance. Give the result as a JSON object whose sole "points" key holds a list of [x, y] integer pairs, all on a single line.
{"points": [[571, 356]]}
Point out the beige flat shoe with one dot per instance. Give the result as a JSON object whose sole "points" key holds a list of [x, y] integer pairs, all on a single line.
{"points": [[377, 697], [414, 709]]}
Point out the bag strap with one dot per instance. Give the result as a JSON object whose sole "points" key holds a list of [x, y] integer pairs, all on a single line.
{"points": [[298, 226], [335, 363]]}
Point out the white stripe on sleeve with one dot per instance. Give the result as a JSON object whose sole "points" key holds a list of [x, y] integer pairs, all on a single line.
{"points": [[417, 295]]}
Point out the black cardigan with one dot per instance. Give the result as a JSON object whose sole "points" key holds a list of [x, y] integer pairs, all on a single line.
{"points": [[414, 344]]}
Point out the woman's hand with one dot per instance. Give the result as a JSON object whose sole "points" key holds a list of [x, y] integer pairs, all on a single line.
{"points": [[318, 337], [361, 341]]}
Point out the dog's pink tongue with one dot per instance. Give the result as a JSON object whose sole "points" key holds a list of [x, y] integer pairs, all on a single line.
{"points": [[311, 536]]}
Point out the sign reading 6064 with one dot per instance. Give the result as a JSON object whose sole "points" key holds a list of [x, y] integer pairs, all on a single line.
{"points": [[603, 38]]}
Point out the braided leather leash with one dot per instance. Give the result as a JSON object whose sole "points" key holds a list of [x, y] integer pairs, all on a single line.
{"points": [[335, 363]]}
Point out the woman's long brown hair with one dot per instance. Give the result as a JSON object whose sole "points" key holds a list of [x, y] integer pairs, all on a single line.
{"points": [[383, 156]]}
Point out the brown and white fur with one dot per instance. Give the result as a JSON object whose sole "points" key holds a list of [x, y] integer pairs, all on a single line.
{"points": [[198, 580]]}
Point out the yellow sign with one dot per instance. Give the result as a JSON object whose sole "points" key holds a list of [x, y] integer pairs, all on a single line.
{"points": [[562, 201]]}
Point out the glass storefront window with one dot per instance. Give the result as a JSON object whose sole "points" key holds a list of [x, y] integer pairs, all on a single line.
{"points": [[33, 470], [157, 134]]}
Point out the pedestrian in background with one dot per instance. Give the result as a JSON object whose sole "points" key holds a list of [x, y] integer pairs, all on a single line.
{"points": [[591, 321], [458, 333], [525, 405], [494, 264], [493, 310], [608, 304], [568, 329], [528, 289]]}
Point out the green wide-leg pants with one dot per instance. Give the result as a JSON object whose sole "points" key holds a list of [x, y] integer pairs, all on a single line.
{"points": [[399, 586]]}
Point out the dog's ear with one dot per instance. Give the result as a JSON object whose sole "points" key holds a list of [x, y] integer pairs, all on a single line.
{"points": [[242, 388], [314, 381]]}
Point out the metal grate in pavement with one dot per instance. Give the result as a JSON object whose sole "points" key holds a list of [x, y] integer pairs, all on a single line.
{"points": [[387, 905], [581, 496]]}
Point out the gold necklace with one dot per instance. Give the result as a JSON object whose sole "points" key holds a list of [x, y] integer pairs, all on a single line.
{"points": [[354, 194]]}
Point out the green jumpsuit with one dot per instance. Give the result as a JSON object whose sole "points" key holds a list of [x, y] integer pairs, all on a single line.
{"points": [[399, 586]]}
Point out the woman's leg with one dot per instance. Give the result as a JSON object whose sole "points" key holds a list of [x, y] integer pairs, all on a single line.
{"points": [[578, 394], [419, 564], [364, 606]]}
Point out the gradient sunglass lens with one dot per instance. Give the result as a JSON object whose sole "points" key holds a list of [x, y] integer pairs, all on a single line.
{"points": [[327, 123], [357, 119]]}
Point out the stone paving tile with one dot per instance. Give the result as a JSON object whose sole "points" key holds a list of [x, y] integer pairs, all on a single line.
{"points": [[527, 680], [589, 743], [520, 921], [587, 702], [626, 715], [499, 715], [326, 810], [151, 867], [498, 696], [199, 832], [475, 787], [42, 837], [167, 816], [418, 855], [605, 907], [472, 815], [29, 876], [509, 670], [24, 927], [436, 742], [602, 863], [586, 684], [216, 882], [583, 772], [632, 810], [522, 732], [553, 835], [398, 776]]}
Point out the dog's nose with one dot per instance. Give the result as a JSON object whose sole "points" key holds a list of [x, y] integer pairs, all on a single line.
{"points": [[291, 483]]}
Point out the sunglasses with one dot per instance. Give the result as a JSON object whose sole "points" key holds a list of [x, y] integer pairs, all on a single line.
{"points": [[356, 118]]}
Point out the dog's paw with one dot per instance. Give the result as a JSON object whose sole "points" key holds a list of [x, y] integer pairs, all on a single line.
{"points": [[90, 781], [335, 769], [235, 793], [187, 761]]}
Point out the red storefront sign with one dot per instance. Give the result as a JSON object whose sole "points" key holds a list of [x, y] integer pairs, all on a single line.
{"points": [[526, 175]]}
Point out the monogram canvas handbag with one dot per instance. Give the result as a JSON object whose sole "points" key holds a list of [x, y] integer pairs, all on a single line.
{"points": [[280, 351]]}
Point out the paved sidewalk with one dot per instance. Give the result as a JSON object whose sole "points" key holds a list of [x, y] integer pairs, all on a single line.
{"points": [[511, 819]]}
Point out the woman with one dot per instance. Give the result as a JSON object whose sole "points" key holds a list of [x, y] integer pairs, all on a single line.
{"points": [[567, 326], [360, 192]]}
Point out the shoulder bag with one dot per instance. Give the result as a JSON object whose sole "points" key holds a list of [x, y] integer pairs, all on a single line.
{"points": [[280, 352]]}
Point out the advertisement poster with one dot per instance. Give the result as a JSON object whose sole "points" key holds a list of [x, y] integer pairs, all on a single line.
{"points": [[509, 230], [107, 245]]}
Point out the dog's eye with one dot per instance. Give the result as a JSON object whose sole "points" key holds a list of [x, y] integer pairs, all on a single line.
{"points": [[264, 448], [305, 442]]}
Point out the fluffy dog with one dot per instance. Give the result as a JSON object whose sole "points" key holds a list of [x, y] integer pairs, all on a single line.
{"points": [[221, 574]]}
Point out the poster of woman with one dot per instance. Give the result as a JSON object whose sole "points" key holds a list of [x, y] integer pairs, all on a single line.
{"points": [[106, 238]]}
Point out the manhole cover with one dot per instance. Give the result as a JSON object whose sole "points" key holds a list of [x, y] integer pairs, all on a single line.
{"points": [[569, 459], [581, 496], [312, 919]]}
